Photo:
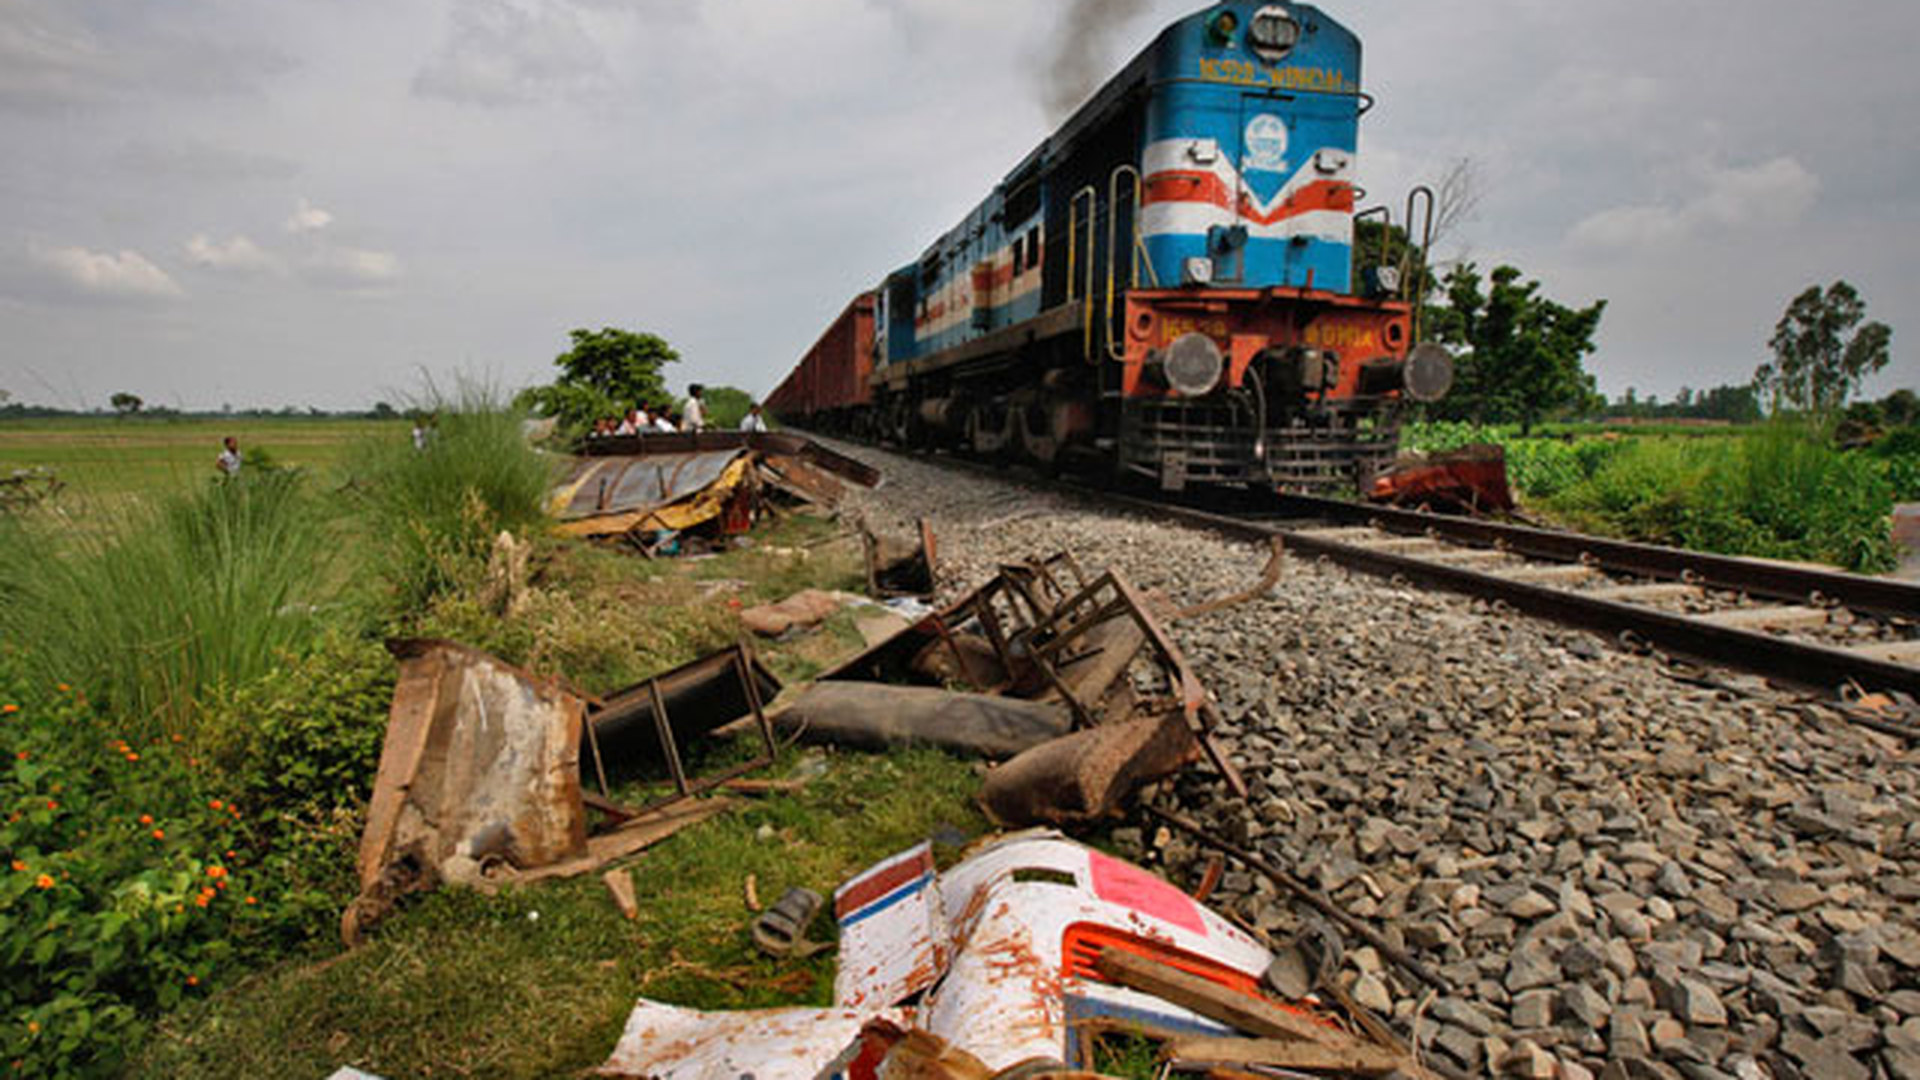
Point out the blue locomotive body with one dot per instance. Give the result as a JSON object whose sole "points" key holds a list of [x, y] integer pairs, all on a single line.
{"points": [[1166, 284]]}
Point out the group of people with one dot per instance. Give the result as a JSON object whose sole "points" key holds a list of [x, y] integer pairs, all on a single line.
{"points": [[640, 421]]}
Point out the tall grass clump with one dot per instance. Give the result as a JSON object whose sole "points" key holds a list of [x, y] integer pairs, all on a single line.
{"points": [[1783, 493], [435, 511], [184, 596]]}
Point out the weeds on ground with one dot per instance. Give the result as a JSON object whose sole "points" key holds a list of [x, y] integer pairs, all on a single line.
{"points": [[128, 886], [538, 981], [434, 513], [195, 592]]}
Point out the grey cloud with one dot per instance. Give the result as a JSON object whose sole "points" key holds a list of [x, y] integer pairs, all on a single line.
{"points": [[46, 59], [201, 161], [79, 54], [1777, 192], [504, 53]]}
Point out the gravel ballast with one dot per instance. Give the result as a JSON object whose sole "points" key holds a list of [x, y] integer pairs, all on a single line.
{"points": [[1624, 869]]}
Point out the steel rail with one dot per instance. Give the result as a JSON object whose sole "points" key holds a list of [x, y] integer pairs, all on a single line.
{"points": [[1800, 663], [1856, 592], [1809, 666]]}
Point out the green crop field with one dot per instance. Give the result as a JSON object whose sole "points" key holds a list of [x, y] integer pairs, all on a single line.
{"points": [[105, 457]]}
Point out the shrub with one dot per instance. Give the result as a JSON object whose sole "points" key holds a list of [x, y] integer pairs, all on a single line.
{"points": [[305, 738], [435, 512], [194, 592], [126, 883], [1776, 494]]}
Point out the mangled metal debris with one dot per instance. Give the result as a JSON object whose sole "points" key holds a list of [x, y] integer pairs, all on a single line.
{"points": [[1021, 956], [1471, 480], [480, 777], [875, 716], [901, 567], [1085, 776], [659, 486]]}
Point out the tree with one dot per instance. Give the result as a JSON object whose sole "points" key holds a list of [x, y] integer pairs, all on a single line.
{"points": [[125, 404], [726, 406], [605, 373], [1901, 408], [384, 411], [1821, 352], [1524, 353]]}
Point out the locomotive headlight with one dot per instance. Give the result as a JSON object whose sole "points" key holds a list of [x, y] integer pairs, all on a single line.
{"points": [[1273, 34], [1221, 27], [1193, 365]]}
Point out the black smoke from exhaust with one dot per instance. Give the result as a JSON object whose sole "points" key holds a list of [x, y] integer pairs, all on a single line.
{"points": [[1082, 58]]}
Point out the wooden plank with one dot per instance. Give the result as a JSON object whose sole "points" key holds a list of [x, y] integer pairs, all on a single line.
{"points": [[1355, 1059], [1893, 652], [1570, 574], [1252, 1015], [1417, 546], [1651, 593], [1769, 618]]}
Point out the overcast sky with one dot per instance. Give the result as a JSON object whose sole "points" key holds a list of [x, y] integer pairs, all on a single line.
{"points": [[225, 201]]}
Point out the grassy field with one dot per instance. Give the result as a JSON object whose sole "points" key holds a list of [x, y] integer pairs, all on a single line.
{"points": [[109, 457], [193, 696]]}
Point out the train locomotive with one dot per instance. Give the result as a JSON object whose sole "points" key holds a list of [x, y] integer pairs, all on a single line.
{"points": [[1165, 289]]}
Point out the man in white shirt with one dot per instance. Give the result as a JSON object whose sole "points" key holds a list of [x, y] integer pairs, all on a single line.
{"points": [[229, 460], [753, 421], [696, 414]]}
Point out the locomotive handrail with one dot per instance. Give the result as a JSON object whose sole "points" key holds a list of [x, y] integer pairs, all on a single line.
{"points": [[1419, 296], [1135, 249], [1092, 195]]}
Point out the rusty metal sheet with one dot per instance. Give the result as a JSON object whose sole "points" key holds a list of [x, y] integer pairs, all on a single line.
{"points": [[1085, 776], [662, 1042], [763, 442], [480, 770], [893, 934], [608, 486]]}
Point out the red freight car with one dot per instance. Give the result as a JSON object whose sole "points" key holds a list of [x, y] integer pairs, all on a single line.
{"points": [[831, 381]]}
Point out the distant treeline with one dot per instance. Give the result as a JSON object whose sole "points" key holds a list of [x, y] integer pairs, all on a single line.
{"points": [[148, 413]]}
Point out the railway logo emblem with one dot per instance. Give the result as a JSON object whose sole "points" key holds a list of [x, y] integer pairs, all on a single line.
{"points": [[1266, 143]]}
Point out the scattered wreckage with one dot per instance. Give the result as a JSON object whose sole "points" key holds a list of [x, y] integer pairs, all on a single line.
{"points": [[1017, 961], [657, 491]]}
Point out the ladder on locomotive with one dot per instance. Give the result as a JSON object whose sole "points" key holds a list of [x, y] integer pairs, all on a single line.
{"points": [[1097, 260]]}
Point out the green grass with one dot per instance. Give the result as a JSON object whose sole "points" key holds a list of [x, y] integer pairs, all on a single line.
{"points": [[433, 514], [110, 458], [185, 595], [1772, 491], [463, 984]]}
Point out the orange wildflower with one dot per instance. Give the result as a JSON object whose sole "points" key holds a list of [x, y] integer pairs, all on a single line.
{"points": [[44, 881], [64, 688], [216, 872], [201, 901], [9, 707], [33, 1027], [159, 834], [193, 980], [52, 805], [19, 867], [133, 757], [146, 819], [22, 755], [216, 805], [252, 901]]}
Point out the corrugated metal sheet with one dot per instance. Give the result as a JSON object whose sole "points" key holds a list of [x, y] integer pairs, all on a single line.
{"points": [[602, 486]]}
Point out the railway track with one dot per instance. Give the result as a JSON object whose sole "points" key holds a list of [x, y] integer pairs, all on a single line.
{"points": [[1848, 636]]}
